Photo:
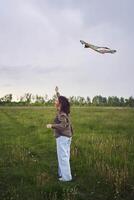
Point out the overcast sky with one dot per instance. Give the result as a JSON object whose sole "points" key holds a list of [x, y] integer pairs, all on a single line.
{"points": [[40, 47]]}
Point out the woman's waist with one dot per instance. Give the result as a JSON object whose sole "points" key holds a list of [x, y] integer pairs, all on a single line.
{"points": [[66, 133]]}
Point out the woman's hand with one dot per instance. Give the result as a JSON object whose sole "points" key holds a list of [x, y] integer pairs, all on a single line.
{"points": [[49, 125], [56, 89]]}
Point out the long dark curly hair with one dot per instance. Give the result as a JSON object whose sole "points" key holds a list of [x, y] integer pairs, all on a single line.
{"points": [[65, 105]]}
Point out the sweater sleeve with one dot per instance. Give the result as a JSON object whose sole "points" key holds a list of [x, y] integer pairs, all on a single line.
{"points": [[57, 94], [63, 123]]}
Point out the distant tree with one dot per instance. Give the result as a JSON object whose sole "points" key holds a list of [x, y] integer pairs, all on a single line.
{"points": [[33, 98], [28, 97], [113, 101], [95, 100], [76, 100], [72, 100], [22, 99], [99, 100], [1, 101], [122, 101], [104, 101], [46, 98], [116, 101], [131, 101], [110, 101], [39, 99], [7, 98], [126, 102], [88, 100], [81, 100]]}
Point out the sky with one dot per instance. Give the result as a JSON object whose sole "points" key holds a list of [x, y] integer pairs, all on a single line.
{"points": [[40, 47]]}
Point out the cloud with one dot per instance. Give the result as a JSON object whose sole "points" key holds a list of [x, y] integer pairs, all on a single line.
{"points": [[39, 46], [17, 72]]}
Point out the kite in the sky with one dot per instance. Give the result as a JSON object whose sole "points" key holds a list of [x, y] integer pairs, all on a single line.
{"points": [[98, 49]]}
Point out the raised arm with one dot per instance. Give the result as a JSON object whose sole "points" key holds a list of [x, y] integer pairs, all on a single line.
{"points": [[57, 91]]}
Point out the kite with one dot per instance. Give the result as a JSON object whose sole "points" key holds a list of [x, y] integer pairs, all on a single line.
{"points": [[101, 50]]}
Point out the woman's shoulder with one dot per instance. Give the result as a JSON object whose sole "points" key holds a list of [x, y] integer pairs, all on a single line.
{"points": [[62, 115]]}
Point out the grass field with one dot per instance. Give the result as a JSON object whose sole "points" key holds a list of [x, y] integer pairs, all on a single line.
{"points": [[102, 155]]}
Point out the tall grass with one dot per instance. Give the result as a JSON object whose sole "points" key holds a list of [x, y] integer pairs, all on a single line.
{"points": [[102, 155]]}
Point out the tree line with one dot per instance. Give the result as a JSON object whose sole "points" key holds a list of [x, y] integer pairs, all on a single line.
{"points": [[36, 100]]}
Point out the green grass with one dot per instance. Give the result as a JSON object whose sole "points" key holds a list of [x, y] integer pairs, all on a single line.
{"points": [[102, 155]]}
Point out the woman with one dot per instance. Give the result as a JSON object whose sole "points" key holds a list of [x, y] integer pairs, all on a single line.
{"points": [[63, 133]]}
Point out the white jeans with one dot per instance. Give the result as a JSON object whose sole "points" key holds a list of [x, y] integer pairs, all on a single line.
{"points": [[63, 153]]}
